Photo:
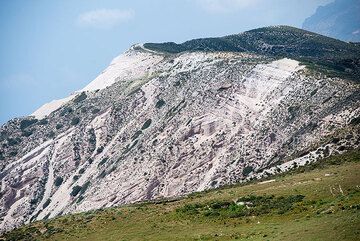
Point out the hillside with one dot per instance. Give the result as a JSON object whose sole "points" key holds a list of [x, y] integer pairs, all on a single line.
{"points": [[319, 202], [159, 125]]}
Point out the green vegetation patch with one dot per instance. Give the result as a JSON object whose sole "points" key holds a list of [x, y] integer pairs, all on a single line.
{"points": [[244, 207], [75, 190], [318, 202], [146, 124], [355, 121], [160, 103], [46, 203], [247, 170], [75, 121], [58, 181], [80, 97], [103, 161], [26, 123]]}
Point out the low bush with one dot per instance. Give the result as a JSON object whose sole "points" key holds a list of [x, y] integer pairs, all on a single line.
{"points": [[160, 103], [146, 124], [100, 149], [75, 121], [75, 190], [26, 123], [247, 170], [95, 111], [43, 122], [80, 97], [355, 121], [51, 134], [46, 203], [58, 181], [66, 111], [27, 133], [102, 162], [13, 142], [245, 206]]}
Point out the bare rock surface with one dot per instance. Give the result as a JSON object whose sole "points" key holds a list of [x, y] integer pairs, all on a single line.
{"points": [[157, 125]]}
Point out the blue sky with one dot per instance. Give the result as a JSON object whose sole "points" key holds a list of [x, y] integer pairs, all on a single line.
{"points": [[51, 48]]}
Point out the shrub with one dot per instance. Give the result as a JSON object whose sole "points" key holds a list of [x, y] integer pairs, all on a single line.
{"points": [[293, 110], [355, 121], [26, 123], [249, 206], [102, 174], [58, 181], [80, 97], [75, 121], [80, 199], [211, 213], [43, 122], [84, 187], [103, 161], [247, 170], [51, 134], [46, 203], [13, 153], [146, 124], [177, 83], [27, 133], [75, 190], [314, 92], [3, 135], [95, 111], [66, 110], [100, 149], [13, 142], [190, 208], [160, 103]]}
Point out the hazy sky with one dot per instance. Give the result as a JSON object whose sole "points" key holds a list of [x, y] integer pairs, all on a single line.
{"points": [[51, 48]]}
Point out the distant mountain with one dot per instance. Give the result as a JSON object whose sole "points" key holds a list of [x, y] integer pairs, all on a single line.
{"points": [[339, 19], [166, 120]]}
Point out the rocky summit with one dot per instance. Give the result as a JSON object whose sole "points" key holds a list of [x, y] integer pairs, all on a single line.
{"points": [[166, 120]]}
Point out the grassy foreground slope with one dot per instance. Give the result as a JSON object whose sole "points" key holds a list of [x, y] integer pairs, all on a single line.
{"points": [[318, 202]]}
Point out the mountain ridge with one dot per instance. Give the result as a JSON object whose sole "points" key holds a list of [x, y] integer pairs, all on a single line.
{"points": [[156, 125], [280, 41]]}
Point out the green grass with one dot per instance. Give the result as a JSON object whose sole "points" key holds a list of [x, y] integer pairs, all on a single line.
{"points": [[317, 202]]}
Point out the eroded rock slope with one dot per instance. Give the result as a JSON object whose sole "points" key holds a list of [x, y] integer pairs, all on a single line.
{"points": [[156, 125]]}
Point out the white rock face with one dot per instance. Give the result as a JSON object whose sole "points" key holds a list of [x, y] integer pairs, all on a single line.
{"points": [[155, 125], [128, 66], [50, 107]]}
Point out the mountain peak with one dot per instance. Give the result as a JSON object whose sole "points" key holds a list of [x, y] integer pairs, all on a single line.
{"points": [[339, 19], [335, 57]]}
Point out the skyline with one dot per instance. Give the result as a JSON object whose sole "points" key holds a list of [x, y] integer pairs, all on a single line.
{"points": [[52, 49]]}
